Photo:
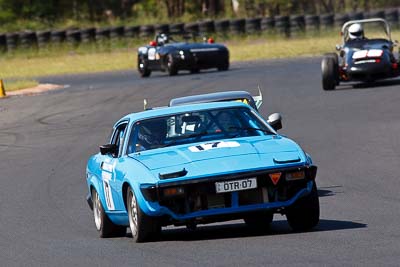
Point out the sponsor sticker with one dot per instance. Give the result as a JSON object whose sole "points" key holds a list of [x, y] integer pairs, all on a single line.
{"points": [[213, 145]]}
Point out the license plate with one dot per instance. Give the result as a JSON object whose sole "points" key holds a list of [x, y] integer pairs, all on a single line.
{"points": [[235, 185]]}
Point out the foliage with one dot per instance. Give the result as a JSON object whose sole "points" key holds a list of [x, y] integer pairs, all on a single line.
{"points": [[41, 14]]}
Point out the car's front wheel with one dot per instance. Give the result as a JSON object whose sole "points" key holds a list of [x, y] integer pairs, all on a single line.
{"points": [[143, 68], [171, 66], [330, 73], [103, 224], [304, 213], [259, 221], [142, 227]]}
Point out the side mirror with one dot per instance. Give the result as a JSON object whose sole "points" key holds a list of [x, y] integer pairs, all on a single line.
{"points": [[108, 149], [275, 120], [338, 47]]}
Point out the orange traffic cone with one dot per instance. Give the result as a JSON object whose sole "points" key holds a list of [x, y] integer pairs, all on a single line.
{"points": [[2, 90]]}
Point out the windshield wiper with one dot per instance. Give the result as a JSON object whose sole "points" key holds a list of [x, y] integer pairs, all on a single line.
{"points": [[251, 128], [200, 134], [183, 137]]}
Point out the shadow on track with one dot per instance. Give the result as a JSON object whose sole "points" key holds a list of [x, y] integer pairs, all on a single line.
{"points": [[367, 85], [239, 230]]}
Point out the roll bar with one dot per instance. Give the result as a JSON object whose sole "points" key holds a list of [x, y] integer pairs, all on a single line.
{"points": [[346, 25]]}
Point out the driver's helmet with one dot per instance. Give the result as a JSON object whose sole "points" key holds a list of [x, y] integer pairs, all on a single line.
{"points": [[356, 31], [164, 38], [152, 133]]}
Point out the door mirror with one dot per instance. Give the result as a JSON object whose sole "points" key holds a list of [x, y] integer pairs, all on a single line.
{"points": [[275, 120], [338, 47], [108, 149]]}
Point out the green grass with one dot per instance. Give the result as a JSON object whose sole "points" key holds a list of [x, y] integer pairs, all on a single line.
{"points": [[121, 55], [19, 84]]}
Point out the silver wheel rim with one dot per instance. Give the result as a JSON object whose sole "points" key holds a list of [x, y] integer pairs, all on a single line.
{"points": [[97, 211], [133, 214]]}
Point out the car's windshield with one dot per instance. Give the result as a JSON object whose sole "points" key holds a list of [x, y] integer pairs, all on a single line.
{"points": [[196, 126]]}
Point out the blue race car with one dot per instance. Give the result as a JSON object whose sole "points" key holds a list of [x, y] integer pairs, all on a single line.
{"points": [[196, 164]]}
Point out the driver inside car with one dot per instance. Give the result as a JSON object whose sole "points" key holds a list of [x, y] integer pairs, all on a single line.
{"points": [[227, 122], [151, 134]]}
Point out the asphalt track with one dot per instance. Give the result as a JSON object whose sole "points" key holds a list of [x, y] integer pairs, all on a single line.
{"points": [[352, 134]]}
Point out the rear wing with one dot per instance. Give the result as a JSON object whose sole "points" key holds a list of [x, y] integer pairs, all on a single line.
{"points": [[241, 96], [258, 99]]}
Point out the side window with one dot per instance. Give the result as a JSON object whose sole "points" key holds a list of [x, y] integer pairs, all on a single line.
{"points": [[119, 137]]}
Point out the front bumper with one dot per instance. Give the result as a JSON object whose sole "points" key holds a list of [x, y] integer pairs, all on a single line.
{"points": [[200, 199]]}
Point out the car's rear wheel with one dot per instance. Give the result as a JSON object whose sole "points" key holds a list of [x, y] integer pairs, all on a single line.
{"points": [[142, 227], [304, 213], [259, 221], [171, 66], [143, 68], [224, 66], [330, 73], [103, 224], [194, 70]]}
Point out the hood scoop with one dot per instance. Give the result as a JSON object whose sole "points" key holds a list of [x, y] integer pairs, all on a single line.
{"points": [[172, 174], [286, 158]]}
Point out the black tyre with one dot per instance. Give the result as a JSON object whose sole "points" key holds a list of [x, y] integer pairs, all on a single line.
{"points": [[103, 224], [143, 68], [143, 227], [336, 68], [259, 221], [224, 66], [171, 66], [329, 73], [304, 214]]}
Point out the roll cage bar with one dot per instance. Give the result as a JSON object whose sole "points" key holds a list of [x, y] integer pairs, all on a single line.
{"points": [[345, 33]]}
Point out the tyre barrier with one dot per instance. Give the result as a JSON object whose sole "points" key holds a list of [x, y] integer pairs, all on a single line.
{"points": [[12, 40], [286, 25], [58, 37], [3, 43], [326, 21], [312, 22], [43, 38], [132, 31], [161, 28], [73, 37], [102, 34], [177, 27], [340, 19], [392, 16], [146, 30], [297, 24], [356, 15], [192, 27], [267, 23], [376, 14], [253, 25], [206, 26], [222, 26], [117, 32], [282, 25], [28, 39], [88, 35], [237, 26]]}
